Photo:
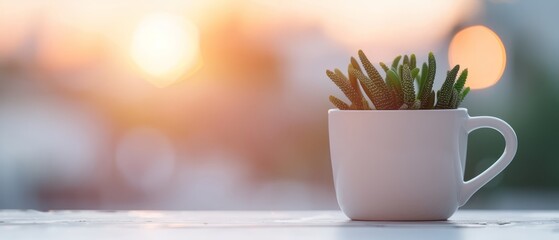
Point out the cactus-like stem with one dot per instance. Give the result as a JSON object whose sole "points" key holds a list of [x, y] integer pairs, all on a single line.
{"points": [[421, 83], [464, 93], [393, 80], [353, 80], [453, 100], [416, 104], [340, 80], [395, 62], [384, 67], [374, 75], [355, 64], [339, 103], [430, 79], [407, 86], [393, 95], [430, 103], [461, 81], [356, 86], [414, 72], [445, 95], [378, 94], [406, 60], [397, 90], [375, 83]]}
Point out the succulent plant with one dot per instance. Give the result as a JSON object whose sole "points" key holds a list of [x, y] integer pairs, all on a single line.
{"points": [[397, 90]]}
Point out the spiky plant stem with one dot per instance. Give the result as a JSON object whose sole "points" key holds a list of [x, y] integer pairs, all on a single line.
{"points": [[444, 96], [339, 79], [407, 85], [427, 85], [339, 103]]}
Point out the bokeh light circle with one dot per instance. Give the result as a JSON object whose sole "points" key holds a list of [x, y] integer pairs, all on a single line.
{"points": [[480, 50], [165, 46]]}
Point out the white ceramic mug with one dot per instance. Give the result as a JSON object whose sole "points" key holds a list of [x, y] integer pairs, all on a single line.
{"points": [[407, 164]]}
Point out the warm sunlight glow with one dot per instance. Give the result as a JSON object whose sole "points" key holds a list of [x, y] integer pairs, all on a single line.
{"points": [[384, 27], [481, 51], [166, 47]]}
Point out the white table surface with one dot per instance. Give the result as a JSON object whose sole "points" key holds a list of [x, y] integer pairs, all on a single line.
{"points": [[465, 224]]}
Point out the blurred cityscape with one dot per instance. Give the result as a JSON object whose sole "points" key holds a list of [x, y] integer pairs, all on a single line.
{"points": [[229, 109]]}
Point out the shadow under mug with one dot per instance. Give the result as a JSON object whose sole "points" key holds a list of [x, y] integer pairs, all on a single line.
{"points": [[407, 164]]}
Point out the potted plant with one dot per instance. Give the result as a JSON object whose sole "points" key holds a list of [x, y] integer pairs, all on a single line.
{"points": [[402, 155]]}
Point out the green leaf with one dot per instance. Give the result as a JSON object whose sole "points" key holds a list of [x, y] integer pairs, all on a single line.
{"points": [[396, 62], [406, 60], [355, 85], [384, 67], [343, 83], [444, 98], [393, 80], [461, 80], [453, 100], [392, 92], [355, 64], [414, 73], [428, 83], [377, 81], [378, 94], [416, 104], [413, 61], [424, 70], [430, 103], [464, 93], [371, 70], [339, 103], [407, 86], [353, 80]]}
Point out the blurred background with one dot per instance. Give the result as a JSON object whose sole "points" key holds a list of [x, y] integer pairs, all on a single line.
{"points": [[222, 104]]}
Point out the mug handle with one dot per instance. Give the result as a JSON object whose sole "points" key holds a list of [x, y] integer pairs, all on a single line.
{"points": [[511, 144]]}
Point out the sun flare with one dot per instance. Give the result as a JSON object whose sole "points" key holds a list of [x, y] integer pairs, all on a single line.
{"points": [[480, 50], [166, 47]]}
